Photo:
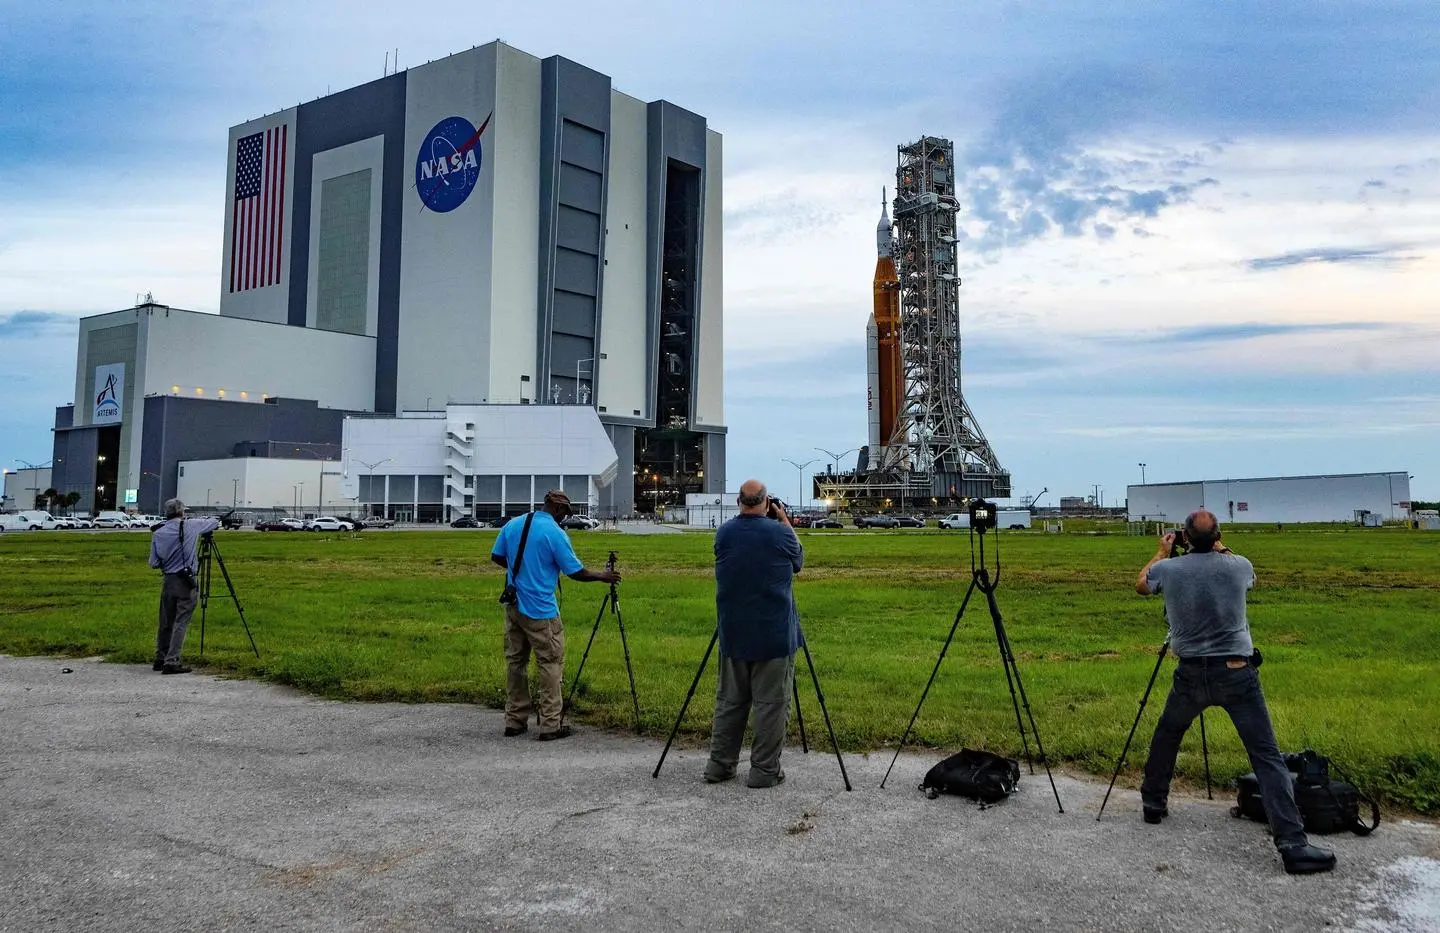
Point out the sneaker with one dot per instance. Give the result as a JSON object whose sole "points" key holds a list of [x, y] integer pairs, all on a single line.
{"points": [[718, 777], [512, 731], [174, 669], [159, 665], [1156, 814], [758, 780], [1306, 859], [562, 732]]}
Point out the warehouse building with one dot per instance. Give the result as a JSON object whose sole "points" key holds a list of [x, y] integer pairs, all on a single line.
{"points": [[488, 229], [1352, 497]]}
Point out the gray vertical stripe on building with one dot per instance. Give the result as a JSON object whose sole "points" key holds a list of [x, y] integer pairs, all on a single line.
{"points": [[374, 109], [574, 158]]}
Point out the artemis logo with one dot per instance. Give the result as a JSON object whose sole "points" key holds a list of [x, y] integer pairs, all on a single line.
{"points": [[448, 163]]}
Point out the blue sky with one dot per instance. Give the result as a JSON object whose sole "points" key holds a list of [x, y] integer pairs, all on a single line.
{"points": [[1205, 237]]}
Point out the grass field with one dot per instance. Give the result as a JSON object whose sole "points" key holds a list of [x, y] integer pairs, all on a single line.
{"points": [[1349, 620]]}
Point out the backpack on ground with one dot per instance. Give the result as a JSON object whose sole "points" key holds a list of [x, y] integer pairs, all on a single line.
{"points": [[1326, 806], [974, 774]]}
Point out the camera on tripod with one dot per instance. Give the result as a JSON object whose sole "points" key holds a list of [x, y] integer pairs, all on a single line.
{"points": [[984, 516]]}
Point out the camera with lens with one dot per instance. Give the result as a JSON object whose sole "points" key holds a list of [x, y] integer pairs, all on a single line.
{"points": [[983, 515], [773, 505]]}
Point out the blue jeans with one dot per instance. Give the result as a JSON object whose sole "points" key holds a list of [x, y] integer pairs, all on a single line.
{"points": [[1204, 682]]}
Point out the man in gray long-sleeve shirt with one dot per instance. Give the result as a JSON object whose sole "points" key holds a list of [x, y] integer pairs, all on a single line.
{"points": [[756, 558], [173, 550]]}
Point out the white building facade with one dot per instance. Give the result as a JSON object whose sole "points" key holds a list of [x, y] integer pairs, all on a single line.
{"points": [[1276, 499]]}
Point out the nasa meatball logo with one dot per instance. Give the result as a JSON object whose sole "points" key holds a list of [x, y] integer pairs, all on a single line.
{"points": [[448, 163]]}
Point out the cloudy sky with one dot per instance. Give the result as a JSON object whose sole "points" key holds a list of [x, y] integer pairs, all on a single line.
{"points": [[1200, 236]]}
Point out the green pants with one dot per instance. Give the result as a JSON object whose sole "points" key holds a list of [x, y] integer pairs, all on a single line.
{"points": [[764, 686]]}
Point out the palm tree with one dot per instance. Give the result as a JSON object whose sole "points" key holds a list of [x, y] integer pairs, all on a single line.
{"points": [[46, 499], [69, 500]]}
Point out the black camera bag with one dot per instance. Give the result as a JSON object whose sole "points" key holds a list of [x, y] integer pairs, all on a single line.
{"points": [[1326, 806], [974, 774]]}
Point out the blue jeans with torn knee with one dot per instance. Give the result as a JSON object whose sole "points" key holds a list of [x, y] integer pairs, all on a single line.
{"points": [[1214, 681]]}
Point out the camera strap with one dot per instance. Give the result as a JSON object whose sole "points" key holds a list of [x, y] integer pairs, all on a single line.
{"points": [[180, 547], [520, 552]]}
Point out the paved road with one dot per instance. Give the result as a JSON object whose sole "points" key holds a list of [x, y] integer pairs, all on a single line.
{"points": [[130, 801]]}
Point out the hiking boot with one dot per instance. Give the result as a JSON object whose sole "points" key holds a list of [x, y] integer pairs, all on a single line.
{"points": [[1306, 859], [512, 731], [562, 732], [174, 669], [1156, 814], [716, 775], [758, 779], [159, 665]]}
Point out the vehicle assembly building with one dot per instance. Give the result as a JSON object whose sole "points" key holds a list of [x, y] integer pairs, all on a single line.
{"points": [[924, 444], [490, 228]]}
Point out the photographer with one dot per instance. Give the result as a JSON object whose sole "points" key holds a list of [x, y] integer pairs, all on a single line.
{"points": [[172, 549], [756, 558], [1204, 594], [542, 551]]}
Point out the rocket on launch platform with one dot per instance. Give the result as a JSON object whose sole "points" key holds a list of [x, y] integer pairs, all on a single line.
{"points": [[886, 378]]}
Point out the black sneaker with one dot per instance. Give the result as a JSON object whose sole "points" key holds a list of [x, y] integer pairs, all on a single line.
{"points": [[512, 731], [1307, 859], [159, 665], [174, 669], [1156, 814], [562, 732]]}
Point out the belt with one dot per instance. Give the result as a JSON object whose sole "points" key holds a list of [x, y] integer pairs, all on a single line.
{"points": [[1217, 660]]}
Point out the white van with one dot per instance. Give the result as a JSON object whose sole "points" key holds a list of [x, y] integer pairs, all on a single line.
{"points": [[28, 521]]}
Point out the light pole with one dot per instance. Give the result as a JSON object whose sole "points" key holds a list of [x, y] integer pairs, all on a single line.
{"points": [[591, 361], [296, 488], [370, 481], [1142, 474], [800, 468], [207, 500], [235, 492], [834, 456]]}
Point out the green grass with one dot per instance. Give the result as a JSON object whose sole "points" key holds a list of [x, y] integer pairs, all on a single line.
{"points": [[1347, 619]]}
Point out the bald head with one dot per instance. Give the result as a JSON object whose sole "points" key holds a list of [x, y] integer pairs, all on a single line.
{"points": [[1202, 530], [753, 498]]}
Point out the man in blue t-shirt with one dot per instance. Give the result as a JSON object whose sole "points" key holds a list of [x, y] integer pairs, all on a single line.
{"points": [[756, 558], [532, 622], [1204, 594]]}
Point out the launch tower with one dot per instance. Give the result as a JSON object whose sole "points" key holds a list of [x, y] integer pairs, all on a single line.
{"points": [[932, 451]]}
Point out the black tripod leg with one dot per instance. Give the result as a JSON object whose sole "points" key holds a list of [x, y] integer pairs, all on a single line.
{"points": [[800, 716], [1205, 753], [825, 713], [686, 705], [625, 646], [1024, 698], [1007, 661], [926, 692], [233, 595], [204, 593], [1120, 763], [581, 669]]}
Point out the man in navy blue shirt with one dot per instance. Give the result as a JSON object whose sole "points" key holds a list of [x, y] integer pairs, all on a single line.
{"points": [[756, 558], [532, 622]]}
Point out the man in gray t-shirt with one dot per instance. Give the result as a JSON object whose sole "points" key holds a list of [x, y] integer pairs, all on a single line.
{"points": [[1204, 594]]}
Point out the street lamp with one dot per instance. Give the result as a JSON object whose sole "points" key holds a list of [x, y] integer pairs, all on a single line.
{"points": [[801, 468], [370, 481], [591, 361], [834, 456], [1142, 474], [295, 488], [235, 492]]}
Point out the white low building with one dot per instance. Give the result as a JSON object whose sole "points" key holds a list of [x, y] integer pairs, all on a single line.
{"points": [[482, 460], [1349, 497], [707, 510], [277, 484]]}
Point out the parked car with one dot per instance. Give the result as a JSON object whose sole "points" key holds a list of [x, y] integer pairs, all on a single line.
{"points": [[500, 522], [580, 523], [233, 520], [467, 521], [956, 520], [146, 521], [802, 521], [910, 521], [375, 521], [65, 521], [34, 520], [282, 524], [111, 521], [827, 522], [876, 521], [329, 523], [82, 522]]}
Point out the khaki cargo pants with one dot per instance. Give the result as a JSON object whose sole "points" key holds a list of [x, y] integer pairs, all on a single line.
{"points": [[546, 637]]}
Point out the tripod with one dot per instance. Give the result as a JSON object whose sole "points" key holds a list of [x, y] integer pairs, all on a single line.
{"points": [[1120, 763], [819, 695], [981, 580], [210, 551], [612, 599]]}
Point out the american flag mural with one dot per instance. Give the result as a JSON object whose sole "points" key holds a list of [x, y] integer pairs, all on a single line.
{"points": [[257, 224]]}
